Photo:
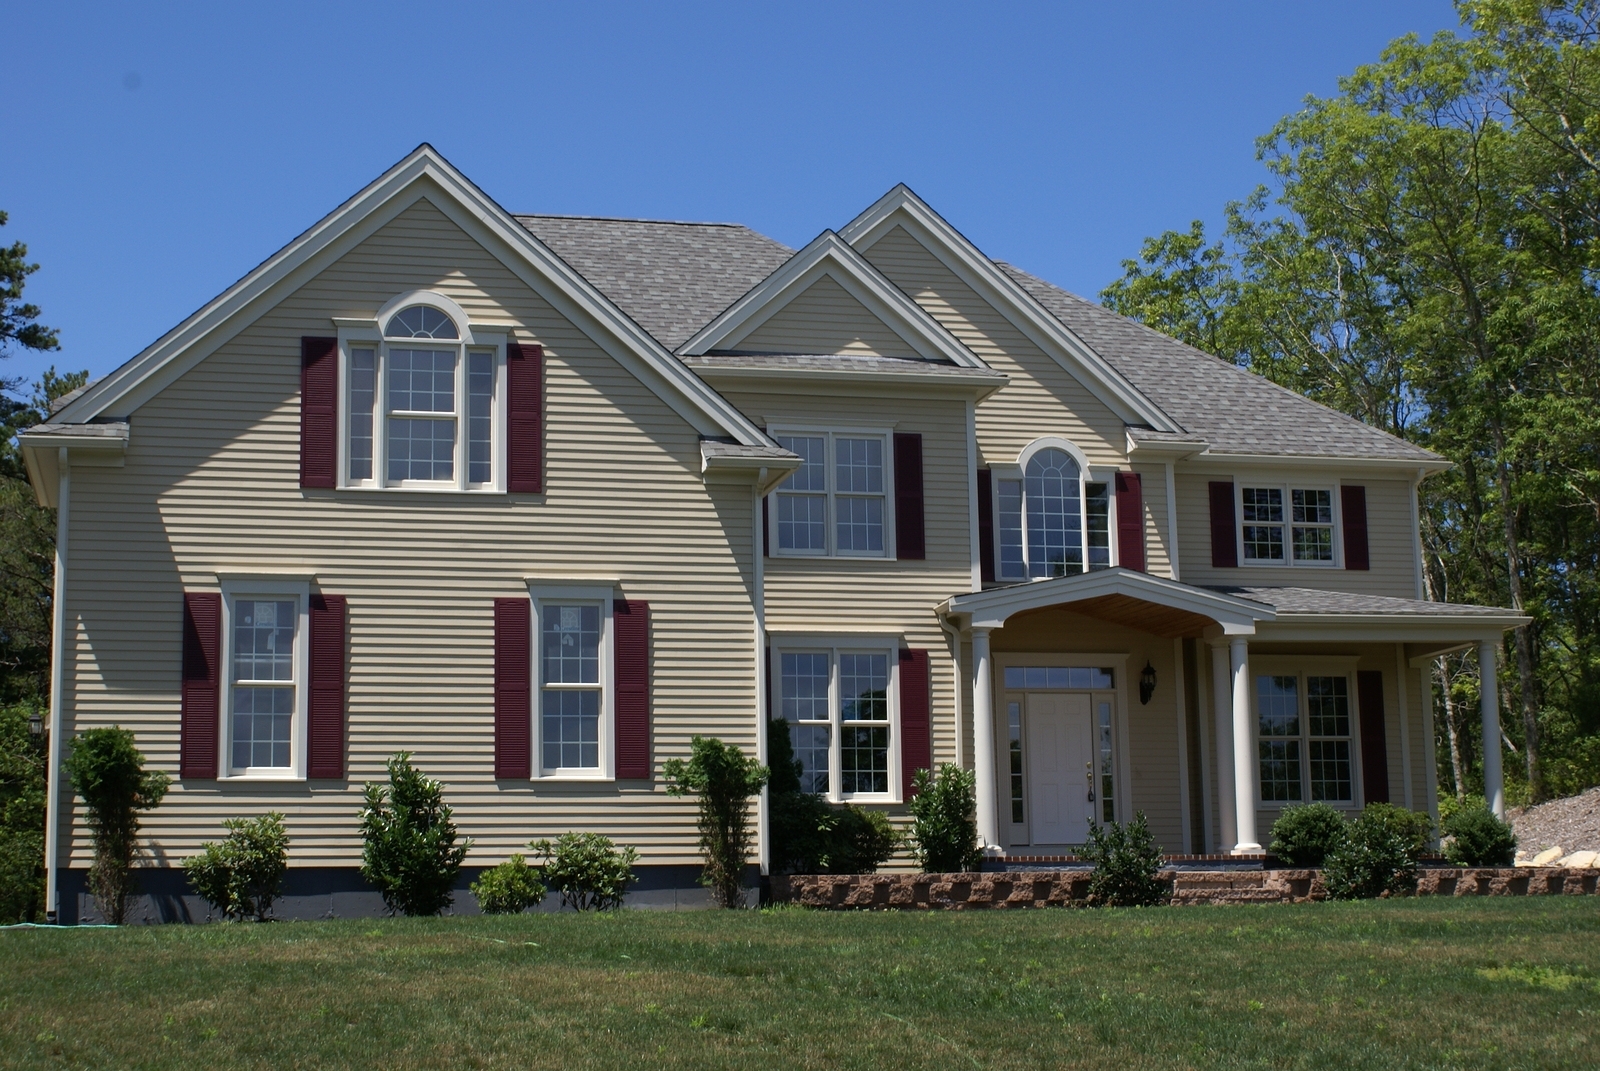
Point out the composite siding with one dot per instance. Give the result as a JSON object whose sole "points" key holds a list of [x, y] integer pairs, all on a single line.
{"points": [[823, 318]]}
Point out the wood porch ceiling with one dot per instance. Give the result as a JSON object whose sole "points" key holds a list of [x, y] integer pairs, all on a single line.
{"points": [[1145, 616]]}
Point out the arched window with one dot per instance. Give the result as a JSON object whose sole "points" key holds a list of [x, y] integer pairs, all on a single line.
{"points": [[1052, 521], [420, 321]]}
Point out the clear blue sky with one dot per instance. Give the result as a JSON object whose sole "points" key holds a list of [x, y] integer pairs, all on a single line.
{"points": [[156, 153]]}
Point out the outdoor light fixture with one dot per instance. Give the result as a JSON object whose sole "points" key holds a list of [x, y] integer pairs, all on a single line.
{"points": [[35, 724], [1147, 683]]}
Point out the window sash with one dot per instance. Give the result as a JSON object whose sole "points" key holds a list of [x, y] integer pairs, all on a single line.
{"points": [[572, 707], [839, 705], [1305, 737], [263, 703], [1287, 525], [838, 503], [1018, 525]]}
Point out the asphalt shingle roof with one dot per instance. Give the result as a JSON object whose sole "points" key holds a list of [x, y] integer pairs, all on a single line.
{"points": [[840, 363], [1311, 601]]}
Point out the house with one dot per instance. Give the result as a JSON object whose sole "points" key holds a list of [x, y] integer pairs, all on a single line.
{"points": [[538, 498]]}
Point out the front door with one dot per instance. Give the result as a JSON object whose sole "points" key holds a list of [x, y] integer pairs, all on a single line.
{"points": [[1060, 767]]}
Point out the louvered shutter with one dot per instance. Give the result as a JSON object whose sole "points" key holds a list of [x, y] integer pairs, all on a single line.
{"points": [[1353, 507], [1374, 739], [513, 687], [325, 699], [766, 548], [630, 631], [909, 538], [525, 418], [200, 717], [1224, 545], [1130, 521], [916, 701], [986, 525], [319, 411]]}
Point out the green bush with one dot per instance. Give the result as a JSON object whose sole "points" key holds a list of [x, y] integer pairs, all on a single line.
{"points": [[107, 770], [1377, 855], [724, 779], [811, 835], [587, 870], [1478, 838], [241, 876], [410, 850], [508, 889], [944, 821], [1303, 835], [1449, 805], [1127, 866], [23, 758], [1416, 827]]}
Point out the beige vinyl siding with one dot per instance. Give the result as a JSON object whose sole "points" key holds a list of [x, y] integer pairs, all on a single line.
{"points": [[1157, 519], [823, 318], [211, 486]]}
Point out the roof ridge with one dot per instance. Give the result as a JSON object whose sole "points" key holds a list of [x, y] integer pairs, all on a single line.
{"points": [[638, 219]]}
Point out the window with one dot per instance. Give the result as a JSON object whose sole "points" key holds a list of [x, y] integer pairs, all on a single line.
{"points": [[266, 660], [1053, 522], [836, 503], [573, 657], [1287, 525], [1304, 738], [1014, 727], [836, 702]]}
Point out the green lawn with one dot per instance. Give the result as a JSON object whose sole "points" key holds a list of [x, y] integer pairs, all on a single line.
{"points": [[1422, 983]]}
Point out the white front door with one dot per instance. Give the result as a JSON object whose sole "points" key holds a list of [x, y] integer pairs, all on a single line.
{"points": [[1060, 767]]}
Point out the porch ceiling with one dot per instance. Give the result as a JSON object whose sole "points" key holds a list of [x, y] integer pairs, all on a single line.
{"points": [[1168, 621]]}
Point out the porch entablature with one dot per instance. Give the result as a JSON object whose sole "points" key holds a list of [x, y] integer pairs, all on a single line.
{"points": [[1155, 604]]}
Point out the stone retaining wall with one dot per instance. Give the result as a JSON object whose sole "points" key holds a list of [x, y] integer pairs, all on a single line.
{"points": [[1068, 888]]}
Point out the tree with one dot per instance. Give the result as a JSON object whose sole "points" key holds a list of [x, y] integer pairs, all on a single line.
{"points": [[107, 770], [18, 324], [723, 778]]}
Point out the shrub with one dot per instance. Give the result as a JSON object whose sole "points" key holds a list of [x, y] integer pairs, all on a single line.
{"points": [[241, 876], [944, 821], [1304, 835], [410, 850], [1478, 838], [1377, 855], [811, 835], [1449, 805], [723, 778], [23, 758], [587, 870], [1127, 866], [107, 770], [508, 889], [1416, 827]]}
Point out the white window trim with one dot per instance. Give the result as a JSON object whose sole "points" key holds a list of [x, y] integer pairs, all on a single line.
{"points": [[248, 588], [1087, 474], [1288, 487], [834, 644], [557, 594], [831, 522], [1302, 667]]}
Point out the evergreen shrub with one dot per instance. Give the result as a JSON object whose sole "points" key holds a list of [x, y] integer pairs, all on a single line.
{"points": [[1304, 834], [1478, 838], [811, 835], [508, 889], [107, 770], [587, 869], [723, 778], [242, 876], [410, 851], [1377, 855], [1127, 866], [944, 821]]}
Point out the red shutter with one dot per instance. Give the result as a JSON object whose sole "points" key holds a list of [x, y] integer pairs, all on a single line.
{"points": [[319, 411], [1374, 741], [1224, 531], [1130, 521], [325, 705], [986, 525], [200, 718], [630, 631], [916, 701], [765, 538], [513, 687], [909, 540], [525, 418], [1353, 503]]}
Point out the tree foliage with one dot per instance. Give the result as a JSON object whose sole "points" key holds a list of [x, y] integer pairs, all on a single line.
{"points": [[23, 757], [410, 851], [19, 324], [723, 779], [107, 770]]}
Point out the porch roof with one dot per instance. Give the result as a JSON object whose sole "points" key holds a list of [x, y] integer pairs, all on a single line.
{"points": [[1151, 603]]}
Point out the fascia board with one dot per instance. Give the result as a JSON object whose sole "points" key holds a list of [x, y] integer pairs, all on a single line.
{"points": [[846, 380], [1386, 628], [1211, 461], [991, 608], [1025, 313]]}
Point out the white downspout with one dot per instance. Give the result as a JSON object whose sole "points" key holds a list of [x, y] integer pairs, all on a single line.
{"points": [[58, 654], [758, 573]]}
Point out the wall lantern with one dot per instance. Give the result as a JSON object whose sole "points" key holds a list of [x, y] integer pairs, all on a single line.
{"points": [[35, 724], [1147, 683]]}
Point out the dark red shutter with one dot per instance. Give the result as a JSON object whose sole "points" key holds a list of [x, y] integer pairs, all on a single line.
{"points": [[909, 537], [325, 705], [916, 702], [765, 538], [1374, 740], [200, 719], [319, 412], [1353, 501], [986, 525], [525, 418], [1130, 521], [513, 687], [630, 631], [1224, 535]]}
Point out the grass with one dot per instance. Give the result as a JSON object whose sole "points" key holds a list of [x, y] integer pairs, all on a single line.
{"points": [[1420, 983]]}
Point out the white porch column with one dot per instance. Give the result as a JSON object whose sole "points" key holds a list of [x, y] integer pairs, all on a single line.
{"points": [[1222, 711], [1244, 780], [983, 739], [1494, 786]]}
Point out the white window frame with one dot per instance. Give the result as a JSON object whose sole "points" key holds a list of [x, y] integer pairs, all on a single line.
{"points": [[1288, 487], [830, 523], [1301, 668], [834, 645], [1087, 474], [543, 595], [267, 589], [357, 334]]}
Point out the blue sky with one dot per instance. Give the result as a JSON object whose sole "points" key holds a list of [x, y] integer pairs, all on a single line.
{"points": [[158, 152]]}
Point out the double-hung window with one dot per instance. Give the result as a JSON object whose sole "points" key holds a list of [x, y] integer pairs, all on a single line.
{"points": [[1286, 525], [1053, 520], [837, 702], [266, 661], [836, 503], [1304, 738], [573, 663]]}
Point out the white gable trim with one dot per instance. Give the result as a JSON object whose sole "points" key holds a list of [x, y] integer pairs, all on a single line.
{"points": [[991, 608], [901, 206], [423, 174], [828, 255]]}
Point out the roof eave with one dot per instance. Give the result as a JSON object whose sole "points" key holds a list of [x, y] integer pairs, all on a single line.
{"points": [[975, 387]]}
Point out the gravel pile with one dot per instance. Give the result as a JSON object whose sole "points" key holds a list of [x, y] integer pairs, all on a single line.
{"points": [[1573, 823]]}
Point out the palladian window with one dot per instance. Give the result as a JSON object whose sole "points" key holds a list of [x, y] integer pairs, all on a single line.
{"points": [[1053, 522]]}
